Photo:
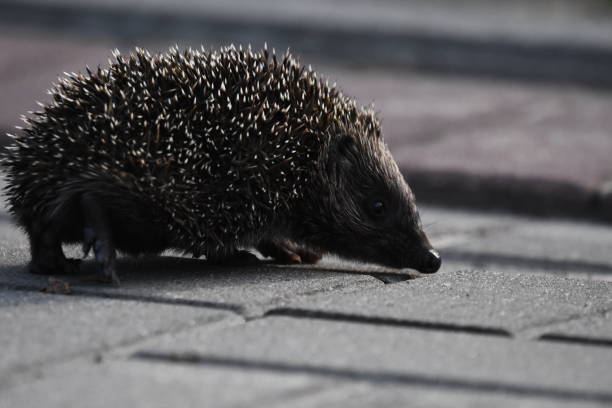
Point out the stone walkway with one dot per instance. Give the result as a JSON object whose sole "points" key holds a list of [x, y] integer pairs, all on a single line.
{"points": [[501, 324]]}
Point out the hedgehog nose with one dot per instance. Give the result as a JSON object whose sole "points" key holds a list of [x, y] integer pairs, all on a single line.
{"points": [[432, 262]]}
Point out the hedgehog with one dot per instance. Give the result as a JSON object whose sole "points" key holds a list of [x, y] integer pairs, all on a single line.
{"points": [[211, 153]]}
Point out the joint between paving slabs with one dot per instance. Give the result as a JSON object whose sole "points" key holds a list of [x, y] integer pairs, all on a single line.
{"points": [[545, 331], [387, 321], [377, 377]]}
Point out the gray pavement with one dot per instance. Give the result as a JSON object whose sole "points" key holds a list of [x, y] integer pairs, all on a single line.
{"points": [[179, 332]]}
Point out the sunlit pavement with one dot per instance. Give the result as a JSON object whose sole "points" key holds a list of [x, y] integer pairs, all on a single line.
{"points": [[519, 315]]}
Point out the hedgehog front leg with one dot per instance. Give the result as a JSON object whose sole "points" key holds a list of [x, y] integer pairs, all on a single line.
{"points": [[287, 252], [97, 234]]}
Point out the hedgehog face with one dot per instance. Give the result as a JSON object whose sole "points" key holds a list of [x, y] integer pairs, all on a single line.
{"points": [[371, 213]]}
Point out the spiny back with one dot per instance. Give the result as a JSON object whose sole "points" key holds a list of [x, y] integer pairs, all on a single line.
{"points": [[218, 142]]}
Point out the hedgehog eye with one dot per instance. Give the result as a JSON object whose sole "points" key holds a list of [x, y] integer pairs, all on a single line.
{"points": [[377, 208]]}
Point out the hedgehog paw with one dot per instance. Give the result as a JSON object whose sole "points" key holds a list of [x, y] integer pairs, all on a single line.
{"points": [[104, 253], [286, 252], [105, 257], [97, 235]]}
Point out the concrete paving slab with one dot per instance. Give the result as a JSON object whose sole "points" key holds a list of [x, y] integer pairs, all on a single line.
{"points": [[512, 244], [378, 353], [144, 384], [573, 240], [565, 248], [516, 303], [449, 228], [39, 328], [137, 383]]}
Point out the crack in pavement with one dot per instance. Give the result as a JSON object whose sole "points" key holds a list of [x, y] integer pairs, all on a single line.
{"points": [[387, 321], [572, 339], [381, 377]]}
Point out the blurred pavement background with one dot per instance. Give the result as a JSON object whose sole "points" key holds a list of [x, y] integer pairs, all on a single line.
{"points": [[489, 105]]}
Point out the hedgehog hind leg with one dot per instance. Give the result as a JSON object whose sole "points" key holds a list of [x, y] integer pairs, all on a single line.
{"points": [[46, 251], [287, 252], [97, 235]]}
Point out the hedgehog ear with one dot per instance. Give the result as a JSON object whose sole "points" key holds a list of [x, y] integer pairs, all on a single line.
{"points": [[344, 152]]}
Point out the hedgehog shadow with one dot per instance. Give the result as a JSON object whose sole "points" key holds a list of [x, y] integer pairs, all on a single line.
{"points": [[143, 269], [170, 268], [160, 269]]}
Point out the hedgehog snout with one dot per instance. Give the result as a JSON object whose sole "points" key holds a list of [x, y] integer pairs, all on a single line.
{"points": [[428, 260], [431, 262]]}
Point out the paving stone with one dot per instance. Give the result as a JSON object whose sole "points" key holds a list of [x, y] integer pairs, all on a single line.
{"points": [[514, 302], [138, 383], [450, 228], [555, 246], [143, 384], [570, 241], [42, 328], [379, 353], [511, 243]]}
